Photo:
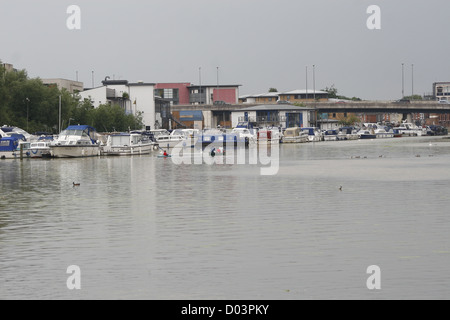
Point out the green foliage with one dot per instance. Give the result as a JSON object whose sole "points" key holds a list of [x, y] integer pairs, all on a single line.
{"points": [[33, 106], [414, 97], [333, 94], [349, 120], [273, 90]]}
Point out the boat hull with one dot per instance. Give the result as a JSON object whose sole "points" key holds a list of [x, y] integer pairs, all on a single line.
{"points": [[127, 151], [75, 151]]}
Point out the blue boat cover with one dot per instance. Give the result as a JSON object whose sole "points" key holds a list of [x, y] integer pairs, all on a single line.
{"points": [[8, 144]]}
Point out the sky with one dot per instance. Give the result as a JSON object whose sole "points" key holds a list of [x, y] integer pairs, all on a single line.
{"points": [[258, 44]]}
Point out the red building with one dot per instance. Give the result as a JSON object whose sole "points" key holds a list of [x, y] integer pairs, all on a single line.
{"points": [[176, 93]]}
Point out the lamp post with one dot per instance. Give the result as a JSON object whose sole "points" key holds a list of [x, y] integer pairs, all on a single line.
{"points": [[200, 83], [412, 80], [217, 83], [314, 81], [403, 80], [28, 102]]}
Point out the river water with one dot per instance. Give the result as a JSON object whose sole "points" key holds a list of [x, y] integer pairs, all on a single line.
{"points": [[146, 228]]}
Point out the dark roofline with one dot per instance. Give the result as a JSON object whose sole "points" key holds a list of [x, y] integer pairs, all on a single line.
{"points": [[276, 107], [141, 84], [215, 86]]}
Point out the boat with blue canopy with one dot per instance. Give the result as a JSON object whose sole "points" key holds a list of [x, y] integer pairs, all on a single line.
{"points": [[75, 142]]}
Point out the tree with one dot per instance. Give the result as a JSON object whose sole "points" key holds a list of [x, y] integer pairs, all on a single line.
{"points": [[273, 90], [333, 94], [28, 103], [349, 120]]}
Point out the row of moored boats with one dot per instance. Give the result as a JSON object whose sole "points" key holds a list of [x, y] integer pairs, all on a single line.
{"points": [[85, 141]]}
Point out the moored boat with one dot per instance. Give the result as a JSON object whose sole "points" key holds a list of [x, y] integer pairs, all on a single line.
{"points": [[348, 133], [269, 135], [295, 135], [314, 134], [12, 148], [330, 135], [76, 142], [411, 130], [366, 134], [124, 144], [40, 149]]}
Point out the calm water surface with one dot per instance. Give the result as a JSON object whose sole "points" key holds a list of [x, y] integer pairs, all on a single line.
{"points": [[145, 228]]}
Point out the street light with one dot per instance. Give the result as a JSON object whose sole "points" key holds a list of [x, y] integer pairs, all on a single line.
{"points": [[28, 102], [403, 80]]}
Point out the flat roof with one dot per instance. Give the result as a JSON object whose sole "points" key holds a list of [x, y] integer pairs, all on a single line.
{"points": [[276, 107], [215, 86], [304, 91]]}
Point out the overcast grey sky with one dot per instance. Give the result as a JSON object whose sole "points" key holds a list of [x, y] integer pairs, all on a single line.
{"points": [[256, 43]]}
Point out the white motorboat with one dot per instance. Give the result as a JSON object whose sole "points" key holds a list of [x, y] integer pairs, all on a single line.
{"points": [[348, 133], [165, 140], [295, 135], [75, 142], [269, 135], [6, 131], [187, 137], [330, 135], [124, 144], [410, 129], [314, 134], [13, 148], [40, 149], [382, 133]]}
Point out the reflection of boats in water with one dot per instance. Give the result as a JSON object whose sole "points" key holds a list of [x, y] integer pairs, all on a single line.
{"points": [[295, 135], [123, 144], [75, 142]]}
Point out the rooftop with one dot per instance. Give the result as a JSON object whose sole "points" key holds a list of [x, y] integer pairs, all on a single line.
{"points": [[276, 107]]}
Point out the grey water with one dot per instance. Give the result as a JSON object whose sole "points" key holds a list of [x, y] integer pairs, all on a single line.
{"points": [[146, 228]]}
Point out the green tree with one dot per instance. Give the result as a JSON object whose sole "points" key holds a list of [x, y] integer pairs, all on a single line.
{"points": [[273, 90], [349, 120], [333, 94]]}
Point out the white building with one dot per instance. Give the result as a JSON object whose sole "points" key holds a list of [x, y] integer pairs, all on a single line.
{"points": [[134, 98]]}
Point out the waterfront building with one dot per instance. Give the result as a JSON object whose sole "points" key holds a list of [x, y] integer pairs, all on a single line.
{"points": [[275, 115], [441, 91], [214, 94], [176, 93], [70, 85], [134, 98], [300, 96]]}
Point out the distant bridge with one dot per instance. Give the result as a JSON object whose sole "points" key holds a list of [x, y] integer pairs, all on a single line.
{"points": [[368, 107]]}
